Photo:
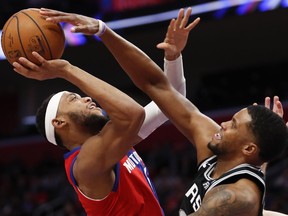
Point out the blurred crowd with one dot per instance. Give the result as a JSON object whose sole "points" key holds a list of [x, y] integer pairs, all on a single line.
{"points": [[39, 190]]}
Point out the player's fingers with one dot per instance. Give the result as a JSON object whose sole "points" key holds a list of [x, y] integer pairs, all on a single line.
{"points": [[193, 24], [17, 66], [20, 69], [171, 25], [275, 99], [279, 108], [185, 18], [85, 29], [72, 19], [179, 18], [170, 30], [55, 16], [267, 102], [51, 12], [162, 45], [276, 103], [40, 58], [28, 64]]}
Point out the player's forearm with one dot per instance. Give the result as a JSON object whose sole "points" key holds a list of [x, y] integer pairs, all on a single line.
{"points": [[112, 100], [154, 117], [174, 71], [138, 66]]}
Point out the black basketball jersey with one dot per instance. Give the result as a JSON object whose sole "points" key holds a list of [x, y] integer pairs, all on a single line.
{"points": [[203, 183]]}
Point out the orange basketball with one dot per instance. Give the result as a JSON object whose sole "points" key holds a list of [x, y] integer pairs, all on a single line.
{"points": [[28, 31]]}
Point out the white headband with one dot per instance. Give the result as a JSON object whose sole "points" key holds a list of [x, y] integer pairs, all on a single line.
{"points": [[51, 113]]}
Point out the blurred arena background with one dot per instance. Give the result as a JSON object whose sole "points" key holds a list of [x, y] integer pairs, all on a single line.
{"points": [[237, 55]]}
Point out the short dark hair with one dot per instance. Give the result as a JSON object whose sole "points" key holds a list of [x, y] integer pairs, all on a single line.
{"points": [[40, 120], [270, 131]]}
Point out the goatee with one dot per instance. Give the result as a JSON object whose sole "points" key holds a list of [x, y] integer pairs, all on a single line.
{"points": [[93, 123]]}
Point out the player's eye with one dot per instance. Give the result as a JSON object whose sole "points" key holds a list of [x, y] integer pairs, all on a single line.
{"points": [[72, 97]]}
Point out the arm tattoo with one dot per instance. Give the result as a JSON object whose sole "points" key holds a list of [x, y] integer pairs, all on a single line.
{"points": [[225, 201]]}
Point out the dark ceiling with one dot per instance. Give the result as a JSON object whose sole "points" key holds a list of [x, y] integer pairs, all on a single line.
{"points": [[9, 7]]}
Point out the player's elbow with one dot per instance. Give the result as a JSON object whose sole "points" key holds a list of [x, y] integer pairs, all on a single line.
{"points": [[154, 80], [140, 114], [155, 88], [136, 118]]}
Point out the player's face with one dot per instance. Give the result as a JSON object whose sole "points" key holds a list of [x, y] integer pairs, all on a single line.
{"points": [[233, 135], [83, 112]]}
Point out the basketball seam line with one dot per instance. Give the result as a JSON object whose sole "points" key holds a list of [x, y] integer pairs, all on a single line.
{"points": [[49, 48]]}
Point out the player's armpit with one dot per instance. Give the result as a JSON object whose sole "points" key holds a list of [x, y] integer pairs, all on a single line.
{"points": [[228, 201]]}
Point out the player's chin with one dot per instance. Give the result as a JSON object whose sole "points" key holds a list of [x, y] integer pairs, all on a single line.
{"points": [[212, 145], [96, 112]]}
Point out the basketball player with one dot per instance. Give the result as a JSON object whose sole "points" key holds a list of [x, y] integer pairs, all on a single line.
{"points": [[229, 179], [106, 172]]}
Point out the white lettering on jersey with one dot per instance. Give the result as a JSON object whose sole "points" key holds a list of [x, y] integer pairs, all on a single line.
{"points": [[195, 197], [182, 213], [132, 161]]}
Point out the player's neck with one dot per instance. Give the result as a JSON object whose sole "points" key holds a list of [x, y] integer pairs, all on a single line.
{"points": [[223, 166]]}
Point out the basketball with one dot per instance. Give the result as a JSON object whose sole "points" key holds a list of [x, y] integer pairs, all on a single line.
{"points": [[27, 31]]}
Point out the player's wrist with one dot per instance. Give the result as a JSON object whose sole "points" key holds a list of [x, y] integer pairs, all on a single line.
{"points": [[101, 29], [172, 57]]}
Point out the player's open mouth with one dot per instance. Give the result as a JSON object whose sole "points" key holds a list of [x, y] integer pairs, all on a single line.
{"points": [[92, 106], [217, 136]]}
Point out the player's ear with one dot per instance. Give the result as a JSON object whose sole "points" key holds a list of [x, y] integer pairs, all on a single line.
{"points": [[250, 148], [58, 123]]}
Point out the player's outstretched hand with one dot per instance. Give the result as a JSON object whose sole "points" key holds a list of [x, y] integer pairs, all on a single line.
{"points": [[177, 34], [276, 107], [81, 24]]}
